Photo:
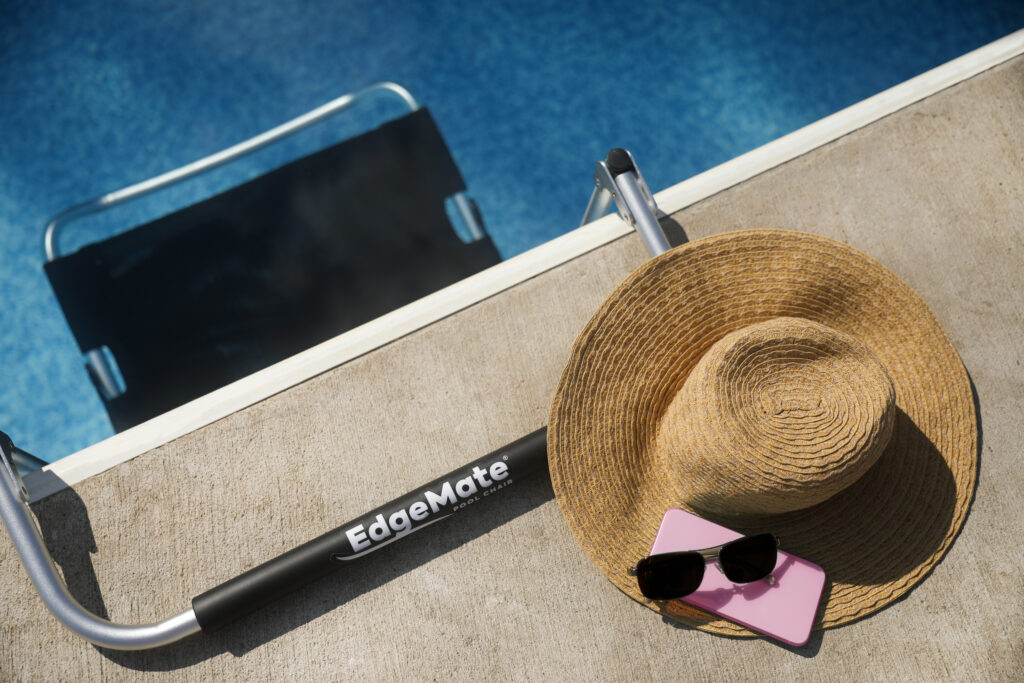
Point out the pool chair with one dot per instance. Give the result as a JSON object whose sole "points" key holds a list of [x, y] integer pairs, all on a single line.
{"points": [[178, 307]]}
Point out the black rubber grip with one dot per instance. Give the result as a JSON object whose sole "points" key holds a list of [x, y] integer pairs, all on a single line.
{"points": [[445, 496], [618, 162]]}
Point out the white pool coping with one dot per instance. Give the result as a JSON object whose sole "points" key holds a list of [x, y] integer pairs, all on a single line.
{"points": [[403, 321]]}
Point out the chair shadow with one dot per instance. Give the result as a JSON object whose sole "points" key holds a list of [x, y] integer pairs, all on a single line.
{"points": [[67, 533], [69, 537], [674, 232]]}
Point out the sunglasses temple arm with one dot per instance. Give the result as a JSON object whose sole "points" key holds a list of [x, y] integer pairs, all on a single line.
{"points": [[440, 499]]}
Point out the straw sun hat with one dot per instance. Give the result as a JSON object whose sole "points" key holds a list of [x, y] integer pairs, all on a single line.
{"points": [[769, 381]]}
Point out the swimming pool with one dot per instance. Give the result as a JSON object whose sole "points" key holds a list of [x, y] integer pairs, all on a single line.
{"points": [[528, 95]]}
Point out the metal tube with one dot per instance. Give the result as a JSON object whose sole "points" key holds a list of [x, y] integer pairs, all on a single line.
{"points": [[464, 205], [103, 373], [50, 236], [28, 542], [646, 224], [420, 508], [600, 198]]}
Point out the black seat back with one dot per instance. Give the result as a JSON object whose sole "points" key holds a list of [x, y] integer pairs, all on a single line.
{"points": [[204, 296]]}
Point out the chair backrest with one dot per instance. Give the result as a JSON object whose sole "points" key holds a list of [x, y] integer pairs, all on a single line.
{"points": [[204, 296]]}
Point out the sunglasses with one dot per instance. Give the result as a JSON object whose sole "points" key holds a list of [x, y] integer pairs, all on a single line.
{"points": [[667, 576]]}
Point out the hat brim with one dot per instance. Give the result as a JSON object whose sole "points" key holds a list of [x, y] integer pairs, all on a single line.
{"points": [[877, 538]]}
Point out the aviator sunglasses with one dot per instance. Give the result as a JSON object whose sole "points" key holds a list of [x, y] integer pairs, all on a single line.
{"points": [[667, 576]]}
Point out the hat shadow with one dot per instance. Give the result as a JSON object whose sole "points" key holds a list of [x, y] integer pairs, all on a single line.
{"points": [[881, 528], [938, 508], [942, 505], [907, 522]]}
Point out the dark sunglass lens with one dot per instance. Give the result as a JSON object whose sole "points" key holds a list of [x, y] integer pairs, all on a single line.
{"points": [[670, 575], [749, 559]]}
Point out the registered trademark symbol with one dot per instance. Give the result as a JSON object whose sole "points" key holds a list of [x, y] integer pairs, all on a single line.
{"points": [[504, 457]]}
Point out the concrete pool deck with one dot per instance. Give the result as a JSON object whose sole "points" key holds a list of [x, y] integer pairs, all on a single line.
{"points": [[935, 191]]}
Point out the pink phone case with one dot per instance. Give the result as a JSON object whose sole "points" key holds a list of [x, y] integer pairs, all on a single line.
{"points": [[784, 611]]}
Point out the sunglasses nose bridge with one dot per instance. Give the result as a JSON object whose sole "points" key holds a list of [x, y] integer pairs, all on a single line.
{"points": [[770, 579]]}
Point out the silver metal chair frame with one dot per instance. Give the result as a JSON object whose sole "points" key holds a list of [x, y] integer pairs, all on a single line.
{"points": [[633, 201], [28, 541]]}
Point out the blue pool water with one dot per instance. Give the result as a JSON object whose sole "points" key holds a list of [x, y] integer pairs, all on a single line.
{"points": [[95, 96]]}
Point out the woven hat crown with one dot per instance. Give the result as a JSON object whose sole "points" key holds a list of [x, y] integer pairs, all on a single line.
{"points": [[775, 417]]}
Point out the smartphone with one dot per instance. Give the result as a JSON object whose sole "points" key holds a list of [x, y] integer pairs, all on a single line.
{"points": [[784, 609]]}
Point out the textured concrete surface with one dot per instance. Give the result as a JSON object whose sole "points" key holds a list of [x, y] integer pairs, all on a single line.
{"points": [[936, 192]]}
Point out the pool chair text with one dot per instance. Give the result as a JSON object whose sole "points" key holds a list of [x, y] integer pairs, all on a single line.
{"points": [[432, 505]]}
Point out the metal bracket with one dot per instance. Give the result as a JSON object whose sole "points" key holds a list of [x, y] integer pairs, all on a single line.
{"points": [[633, 199], [9, 470]]}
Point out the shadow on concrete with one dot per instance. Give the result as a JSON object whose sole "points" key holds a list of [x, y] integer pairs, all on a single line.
{"points": [[674, 232], [69, 537], [67, 533]]}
